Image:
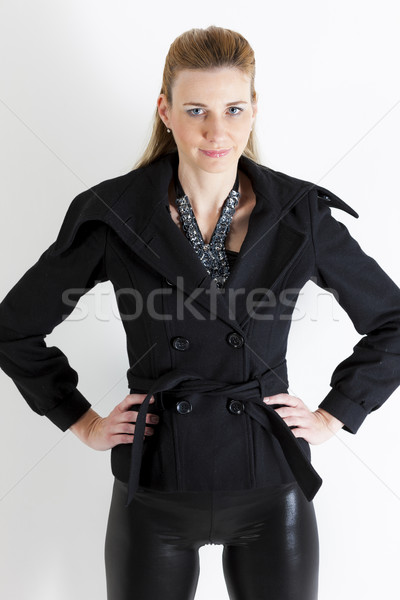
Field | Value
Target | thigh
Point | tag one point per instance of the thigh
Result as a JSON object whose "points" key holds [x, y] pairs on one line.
{"points": [[150, 553], [273, 553]]}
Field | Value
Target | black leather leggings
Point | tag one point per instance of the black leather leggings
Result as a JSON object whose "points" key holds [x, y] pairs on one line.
{"points": [[269, 537]]}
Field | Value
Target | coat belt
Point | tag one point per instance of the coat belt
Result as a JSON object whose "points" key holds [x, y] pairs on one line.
{"points": [[251, 393]]}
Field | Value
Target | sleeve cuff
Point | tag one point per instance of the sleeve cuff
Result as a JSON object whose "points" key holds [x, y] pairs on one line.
{"points": [[344, 409], [69, 410]]}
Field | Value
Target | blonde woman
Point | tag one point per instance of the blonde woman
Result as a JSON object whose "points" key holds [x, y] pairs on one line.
{"points": [[207, 250]]}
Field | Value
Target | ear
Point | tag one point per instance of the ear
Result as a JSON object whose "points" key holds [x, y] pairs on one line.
{"points": [[163, 109]]}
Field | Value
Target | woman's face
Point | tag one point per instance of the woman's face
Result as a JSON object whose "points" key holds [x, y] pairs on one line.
{"points": [[210, 118]]}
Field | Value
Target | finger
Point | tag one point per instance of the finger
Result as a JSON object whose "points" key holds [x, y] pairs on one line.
{"points": [[300, 432], [137, 399], [282, 399], [290, 411], [129, 428], [133, 399], [296, 421], [122, 439], [130, 416]]}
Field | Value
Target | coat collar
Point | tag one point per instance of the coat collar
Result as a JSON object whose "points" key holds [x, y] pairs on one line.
{"points": [[136, 206]]}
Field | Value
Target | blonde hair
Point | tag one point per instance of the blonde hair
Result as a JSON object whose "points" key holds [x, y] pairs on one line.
{"points": [[200, 49]]}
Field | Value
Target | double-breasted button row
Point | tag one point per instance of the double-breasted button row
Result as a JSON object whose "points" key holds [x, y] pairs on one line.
{"points": [[236, 407], [235, 339], [180, 343]]}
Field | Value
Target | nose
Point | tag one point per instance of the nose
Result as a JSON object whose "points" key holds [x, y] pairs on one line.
{"points": [[215, 130]]}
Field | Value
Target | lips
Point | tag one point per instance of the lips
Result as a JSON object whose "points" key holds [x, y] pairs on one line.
{"points": [[216, 153]]}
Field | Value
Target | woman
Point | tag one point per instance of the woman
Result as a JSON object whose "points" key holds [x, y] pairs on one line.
{"points": [[207, 251]]}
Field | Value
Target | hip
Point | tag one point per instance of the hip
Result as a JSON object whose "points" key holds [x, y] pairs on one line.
{"points": [[210, 447]]}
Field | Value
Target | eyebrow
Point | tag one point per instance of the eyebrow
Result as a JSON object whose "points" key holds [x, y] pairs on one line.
{"points": [[205, 105]]}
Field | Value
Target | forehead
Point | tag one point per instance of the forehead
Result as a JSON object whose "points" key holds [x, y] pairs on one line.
{"points": [[220, 81]]}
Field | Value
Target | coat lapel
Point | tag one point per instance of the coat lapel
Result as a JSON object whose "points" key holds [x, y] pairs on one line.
{"points": [[136, 206], [269, 248]]}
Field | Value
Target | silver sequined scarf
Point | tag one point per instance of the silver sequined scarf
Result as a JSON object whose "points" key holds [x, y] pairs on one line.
{"points": [[212, 255]]}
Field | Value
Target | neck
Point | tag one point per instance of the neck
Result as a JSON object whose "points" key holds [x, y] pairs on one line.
{"points": [[207, 192]]}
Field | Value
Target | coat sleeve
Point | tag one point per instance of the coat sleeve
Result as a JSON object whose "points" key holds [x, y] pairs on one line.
{"points": [[44, 296], [364, 380]]}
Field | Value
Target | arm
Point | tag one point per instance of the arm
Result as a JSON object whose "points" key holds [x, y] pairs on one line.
{"points": [[44, 296], [42, 299], [84, 425], [332, 423], [363, 381]]}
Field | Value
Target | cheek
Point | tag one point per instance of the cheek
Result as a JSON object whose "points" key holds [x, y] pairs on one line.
{"points": [[243, 129], [186, 131], [248, 122]]}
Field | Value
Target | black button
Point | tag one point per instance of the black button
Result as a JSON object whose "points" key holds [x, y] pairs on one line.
{"points": [[236, 340], [183, 407], [168, 282], [236, 407], [180, 343]]}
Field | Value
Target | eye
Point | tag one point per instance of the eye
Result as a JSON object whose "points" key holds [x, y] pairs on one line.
{"points": [[194, 112], [236, 109]]}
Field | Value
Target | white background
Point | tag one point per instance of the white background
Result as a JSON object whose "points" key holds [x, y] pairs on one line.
{"points": [[79, 81]]}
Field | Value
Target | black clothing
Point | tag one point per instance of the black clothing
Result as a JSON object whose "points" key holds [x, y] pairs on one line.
{"points": [[232, 256], [179, 327], [270, 540], [206, 465]]}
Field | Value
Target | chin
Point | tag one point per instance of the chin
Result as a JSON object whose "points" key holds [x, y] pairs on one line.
{"points": [[216, 168]]}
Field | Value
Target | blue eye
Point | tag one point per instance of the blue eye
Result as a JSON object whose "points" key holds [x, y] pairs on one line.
{"points": [[235, 108], [192, 112]]}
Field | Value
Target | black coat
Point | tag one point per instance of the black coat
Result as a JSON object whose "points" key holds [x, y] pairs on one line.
{"points": [[208, 356]]}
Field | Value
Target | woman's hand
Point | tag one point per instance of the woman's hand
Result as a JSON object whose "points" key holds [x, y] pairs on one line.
{"points": [[118, 428], [315, 427]]}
